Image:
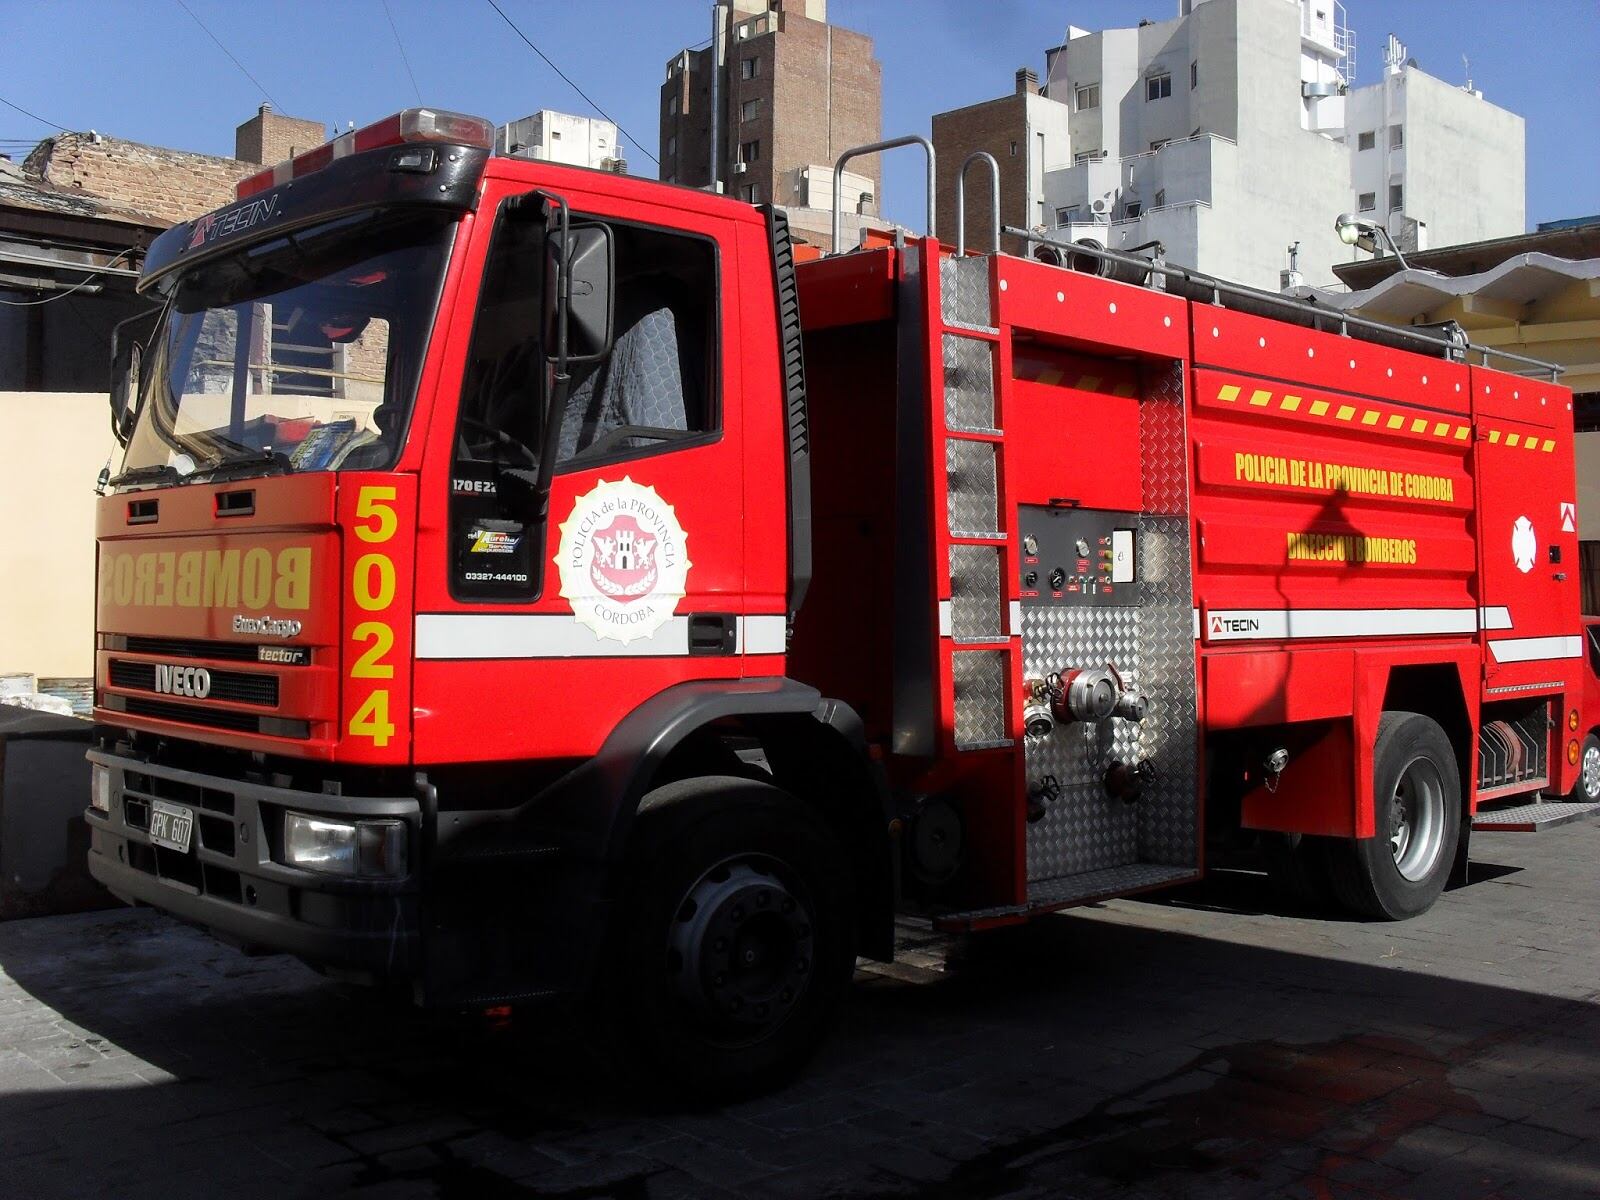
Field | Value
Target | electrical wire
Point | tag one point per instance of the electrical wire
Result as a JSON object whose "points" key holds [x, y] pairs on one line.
{"points": [[84, 282], [229, 53], [399, 45], [570, 83], [34, 115]]}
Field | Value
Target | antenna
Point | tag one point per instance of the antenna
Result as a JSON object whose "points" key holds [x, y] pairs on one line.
{"points": [[1466, 68]]}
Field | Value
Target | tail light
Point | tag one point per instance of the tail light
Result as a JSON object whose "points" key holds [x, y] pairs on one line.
{"points": [[411, 125]]}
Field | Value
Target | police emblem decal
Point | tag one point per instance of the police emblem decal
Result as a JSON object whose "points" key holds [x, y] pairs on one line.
{"points": [[623, 559]]}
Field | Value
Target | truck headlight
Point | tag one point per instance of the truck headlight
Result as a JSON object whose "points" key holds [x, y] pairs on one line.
{"points": [[100, 789], [359, 849]]}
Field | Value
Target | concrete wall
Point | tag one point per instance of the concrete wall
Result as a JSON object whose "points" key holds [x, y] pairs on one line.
{"points": [[1465, 163], [1588, 448], [52, 446]]}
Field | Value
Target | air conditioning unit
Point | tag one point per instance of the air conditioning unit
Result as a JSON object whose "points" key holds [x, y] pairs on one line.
{"points": [[740, 168], [1103, 204]]}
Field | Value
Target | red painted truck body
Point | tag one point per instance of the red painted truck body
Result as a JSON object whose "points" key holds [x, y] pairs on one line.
{"points": [[873, 587]]}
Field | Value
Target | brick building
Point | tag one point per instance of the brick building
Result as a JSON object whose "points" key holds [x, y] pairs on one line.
{"points": [[781, 94], [1019, 130]]}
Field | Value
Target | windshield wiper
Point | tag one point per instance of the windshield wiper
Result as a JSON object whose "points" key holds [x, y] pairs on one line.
{"points": [[256, 461], [145, 474]]}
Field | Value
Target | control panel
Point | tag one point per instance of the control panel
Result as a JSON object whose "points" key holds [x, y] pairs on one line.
{"points": [[1078, 556]]}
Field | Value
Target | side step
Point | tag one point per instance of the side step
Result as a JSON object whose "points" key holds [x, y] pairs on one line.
{"points": [[1531, 818]]}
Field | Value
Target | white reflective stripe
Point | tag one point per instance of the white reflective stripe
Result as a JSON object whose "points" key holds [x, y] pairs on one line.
{"points": [[1195, 612], [765, 634], [1016, 618], [1223, 625], [946, 618], [1494, 618], [1510, 650], [560, 635]]}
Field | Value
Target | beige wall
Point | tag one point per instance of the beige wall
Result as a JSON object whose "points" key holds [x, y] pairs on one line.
{"points": [[52, 446]]}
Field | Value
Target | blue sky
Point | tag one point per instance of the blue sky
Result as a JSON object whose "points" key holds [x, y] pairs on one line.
{"points": [[146, 71]]}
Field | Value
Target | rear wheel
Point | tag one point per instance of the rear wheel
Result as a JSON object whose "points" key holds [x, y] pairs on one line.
{"points": [[735, 947], [1416, 791], [1587, 789]]}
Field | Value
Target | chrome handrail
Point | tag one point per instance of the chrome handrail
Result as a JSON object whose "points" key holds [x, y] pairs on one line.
{"points": [[874, 148], [961, 200]]}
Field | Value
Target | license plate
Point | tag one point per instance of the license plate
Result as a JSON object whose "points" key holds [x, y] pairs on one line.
{"points": [[171, 825]]}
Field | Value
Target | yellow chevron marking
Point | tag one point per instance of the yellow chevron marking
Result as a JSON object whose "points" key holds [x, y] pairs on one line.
{"points": [[1318, 407], [1513, 438], [1549, 445], [1461, 433], [1396, 420], [1442, 428], [1291, 403], [1419, 426], [1531, 444], [1088, 383], [1260, 398], [1346, 411], [1494, 436], [1228, 392], [1123, 389], [1370, 417]]}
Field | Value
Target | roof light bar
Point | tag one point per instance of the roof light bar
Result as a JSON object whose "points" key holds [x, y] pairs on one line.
{"points": [[410, 125]]}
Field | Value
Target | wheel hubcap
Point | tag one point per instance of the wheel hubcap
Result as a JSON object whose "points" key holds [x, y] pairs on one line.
{"points": [[740, 947], [1417, 819], [1591, 771]]}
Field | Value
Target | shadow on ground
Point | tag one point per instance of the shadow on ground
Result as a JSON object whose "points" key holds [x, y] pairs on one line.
{"points": [[1134, 1051]]}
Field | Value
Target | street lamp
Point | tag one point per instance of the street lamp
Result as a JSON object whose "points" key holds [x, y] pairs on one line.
{"points": [[1358, 231]]}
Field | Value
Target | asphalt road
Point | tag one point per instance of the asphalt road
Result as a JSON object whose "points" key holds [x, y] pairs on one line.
{"points": [[1215, 1043]]}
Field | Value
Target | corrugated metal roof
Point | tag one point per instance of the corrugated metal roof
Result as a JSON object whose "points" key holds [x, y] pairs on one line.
{"points": [[1409, 294]]}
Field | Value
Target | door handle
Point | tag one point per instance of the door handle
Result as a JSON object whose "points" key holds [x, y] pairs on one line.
{"points": [[712, 633]]}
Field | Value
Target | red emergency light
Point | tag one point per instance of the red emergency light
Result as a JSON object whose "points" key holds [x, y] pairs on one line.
{"points": [[409, 125]]}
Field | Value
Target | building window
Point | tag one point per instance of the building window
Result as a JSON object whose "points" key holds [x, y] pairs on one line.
{"points": [[1158, 87], [1158, 143], [1397, 136], [1064, 216], [749, 68], [1194, 74], [672, 146], [1087, 96], [1396, 196], [1367, 140], [1367, 201], [1083, 156], [1134, 209], [672, 106], [1161, 198], [750, 110], [750, 193], [749, 152], [1013, 149]]}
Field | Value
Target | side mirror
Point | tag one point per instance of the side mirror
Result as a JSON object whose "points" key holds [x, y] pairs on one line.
{"points": [[127, 359], [590, 265]]}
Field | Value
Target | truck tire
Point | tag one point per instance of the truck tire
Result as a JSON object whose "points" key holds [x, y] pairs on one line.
{"points": [[1587, 789], [735, 943], [1416, 791]]}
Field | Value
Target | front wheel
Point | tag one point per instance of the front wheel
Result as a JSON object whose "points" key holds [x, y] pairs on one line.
{"points": [[1416, 791], [736, 944]]}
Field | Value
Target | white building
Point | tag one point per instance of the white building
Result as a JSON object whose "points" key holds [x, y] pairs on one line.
{"points": [[1230, 133], [563, 138]]}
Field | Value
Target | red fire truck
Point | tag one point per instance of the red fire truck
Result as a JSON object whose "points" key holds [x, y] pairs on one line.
{"points": [[532, 583]]}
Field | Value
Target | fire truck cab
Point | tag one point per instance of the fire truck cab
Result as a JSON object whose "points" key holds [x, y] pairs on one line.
{"points": [[532, 583]]}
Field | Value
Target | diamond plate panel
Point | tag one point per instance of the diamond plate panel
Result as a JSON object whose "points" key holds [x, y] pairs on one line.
{"points": [[972, 488], [968, 383], [975, 607], [964, 292], [1152, 646], [980, 697]]}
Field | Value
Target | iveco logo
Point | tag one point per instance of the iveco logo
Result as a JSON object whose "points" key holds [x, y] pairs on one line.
{"points": [[183, 681]]}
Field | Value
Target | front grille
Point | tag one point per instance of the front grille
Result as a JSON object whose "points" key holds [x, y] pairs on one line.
{"points": [[239, 687], [185, 648], [211, 718]]}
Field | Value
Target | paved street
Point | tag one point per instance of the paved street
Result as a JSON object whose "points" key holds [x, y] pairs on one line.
{"points": [[1188, 1048]]}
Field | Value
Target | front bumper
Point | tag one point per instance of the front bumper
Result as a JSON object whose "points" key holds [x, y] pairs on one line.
{"points": [[230, 882]]}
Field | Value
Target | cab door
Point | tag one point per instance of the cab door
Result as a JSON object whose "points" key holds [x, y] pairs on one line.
{"points": [[536, 632]]}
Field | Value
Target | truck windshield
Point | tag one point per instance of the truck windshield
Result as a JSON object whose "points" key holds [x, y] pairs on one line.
{"points": [[299, 354]]}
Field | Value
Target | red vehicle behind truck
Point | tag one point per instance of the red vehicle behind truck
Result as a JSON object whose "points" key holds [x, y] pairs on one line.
{"points": [[532, 583]]}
